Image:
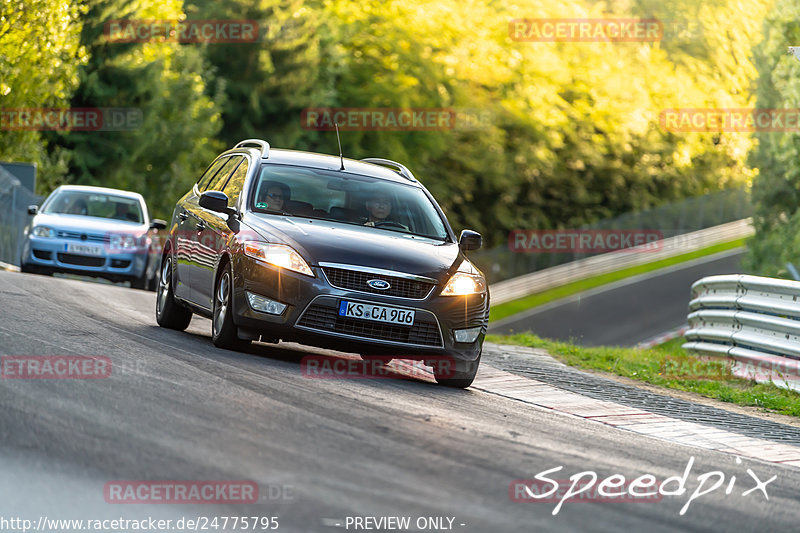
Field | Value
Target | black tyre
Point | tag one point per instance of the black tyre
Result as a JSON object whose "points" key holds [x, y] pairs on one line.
{"points": [[461, 378], [224, 333], [169, 313]]}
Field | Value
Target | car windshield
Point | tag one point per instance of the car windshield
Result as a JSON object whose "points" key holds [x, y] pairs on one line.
{"points": [[92, 204], [347, 198]]}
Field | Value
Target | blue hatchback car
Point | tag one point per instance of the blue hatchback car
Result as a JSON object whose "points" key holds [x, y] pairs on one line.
{"points": [[91, 231]]}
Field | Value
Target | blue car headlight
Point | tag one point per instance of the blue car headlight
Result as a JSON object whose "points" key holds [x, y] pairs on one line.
{"points": [[43, 231], [127, 242]]}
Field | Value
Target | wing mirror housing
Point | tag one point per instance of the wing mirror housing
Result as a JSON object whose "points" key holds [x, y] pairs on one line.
{"points": [[470, 240], [216, 201]]}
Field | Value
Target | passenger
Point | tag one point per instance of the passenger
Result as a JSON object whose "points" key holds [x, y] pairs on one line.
{"points": [[78, 207], [121, 212], [274, 196]]}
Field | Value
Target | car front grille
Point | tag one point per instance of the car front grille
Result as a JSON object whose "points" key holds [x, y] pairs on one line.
{"points": [[81, 260], [424, 331], [78, 236], [356, 280]]}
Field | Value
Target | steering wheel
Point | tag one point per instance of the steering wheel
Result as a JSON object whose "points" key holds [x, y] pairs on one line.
{"points": [[391, 223]]}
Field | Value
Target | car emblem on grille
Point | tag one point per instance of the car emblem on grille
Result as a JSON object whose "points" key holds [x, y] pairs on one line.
{"points": [[379, 284]]}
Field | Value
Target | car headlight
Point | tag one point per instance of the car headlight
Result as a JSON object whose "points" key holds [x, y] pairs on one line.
{"points": [[124, 242], [279, 255], [462, 284], [43, 231], [466, 280]]}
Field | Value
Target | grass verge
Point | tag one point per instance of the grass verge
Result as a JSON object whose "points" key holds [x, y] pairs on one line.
{"points": [[516, 306], [667, 365]]}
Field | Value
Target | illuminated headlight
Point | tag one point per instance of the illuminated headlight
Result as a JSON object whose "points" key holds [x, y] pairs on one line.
{"points": [[467, 335], [43, 231], [279, 255], [124, 242], [462, 284], [265, 305]]}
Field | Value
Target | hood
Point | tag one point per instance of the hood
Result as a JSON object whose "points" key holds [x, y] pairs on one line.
{"points": [[88, 224], [323, 241]]}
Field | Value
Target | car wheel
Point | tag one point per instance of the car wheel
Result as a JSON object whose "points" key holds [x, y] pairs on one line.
{"points": [[169, 313], [224, 333], [461, 378]]}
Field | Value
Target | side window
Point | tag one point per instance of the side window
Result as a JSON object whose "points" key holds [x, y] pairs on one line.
{"points": [[222, 176], [210, 172], [234, 186]]}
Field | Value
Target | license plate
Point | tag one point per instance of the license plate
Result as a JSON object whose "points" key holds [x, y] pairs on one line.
{"points": [[379, 313], [83, 249]]}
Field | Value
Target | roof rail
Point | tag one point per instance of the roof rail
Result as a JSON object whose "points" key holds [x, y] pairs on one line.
{"points": [[264, 145], [397, 167]]}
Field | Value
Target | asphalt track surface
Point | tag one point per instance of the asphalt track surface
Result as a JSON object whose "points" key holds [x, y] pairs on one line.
{"points": [[177, 408], [622, 314]]}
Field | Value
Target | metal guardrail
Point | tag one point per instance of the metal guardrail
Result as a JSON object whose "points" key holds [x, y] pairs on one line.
{"points": [[753, 322], [519, 287], [14, 202]]}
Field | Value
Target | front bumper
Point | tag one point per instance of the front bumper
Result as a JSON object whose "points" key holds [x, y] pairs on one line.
{"points": [[311, 316], [51, 254]]}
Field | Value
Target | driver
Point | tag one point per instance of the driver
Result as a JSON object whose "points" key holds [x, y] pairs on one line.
{"points": [[273, 196], [379, 207], [78, 207]]}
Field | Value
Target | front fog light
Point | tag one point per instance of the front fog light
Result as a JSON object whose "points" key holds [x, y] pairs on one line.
{"points": [[265, 305], [467, 335]]}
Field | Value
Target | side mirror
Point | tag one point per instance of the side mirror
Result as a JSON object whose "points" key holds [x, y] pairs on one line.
{"points": [[157, 223], [33, 209], [216, 201], [470, 240]]}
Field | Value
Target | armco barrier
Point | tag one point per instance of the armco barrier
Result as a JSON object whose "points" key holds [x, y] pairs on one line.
{"points": [[519, 287], [752, 321]]}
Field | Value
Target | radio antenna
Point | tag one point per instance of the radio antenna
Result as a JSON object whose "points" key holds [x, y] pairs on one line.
{"points": [[341, 158]]}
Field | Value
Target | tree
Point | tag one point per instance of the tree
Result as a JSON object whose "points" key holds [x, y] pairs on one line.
{"points": [[40, 53], [165, 84], [775, 189]]}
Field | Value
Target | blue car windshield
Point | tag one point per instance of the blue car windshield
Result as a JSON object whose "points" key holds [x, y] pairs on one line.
{"points": [[91, 204], [346, 198]]}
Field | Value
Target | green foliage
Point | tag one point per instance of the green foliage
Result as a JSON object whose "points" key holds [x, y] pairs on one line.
{"points": [[570, 131], [39, 55], [775, 190], [667, 365], [162, 156]]}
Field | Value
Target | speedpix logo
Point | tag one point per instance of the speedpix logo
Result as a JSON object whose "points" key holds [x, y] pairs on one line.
{"points": [[587, 486]]}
